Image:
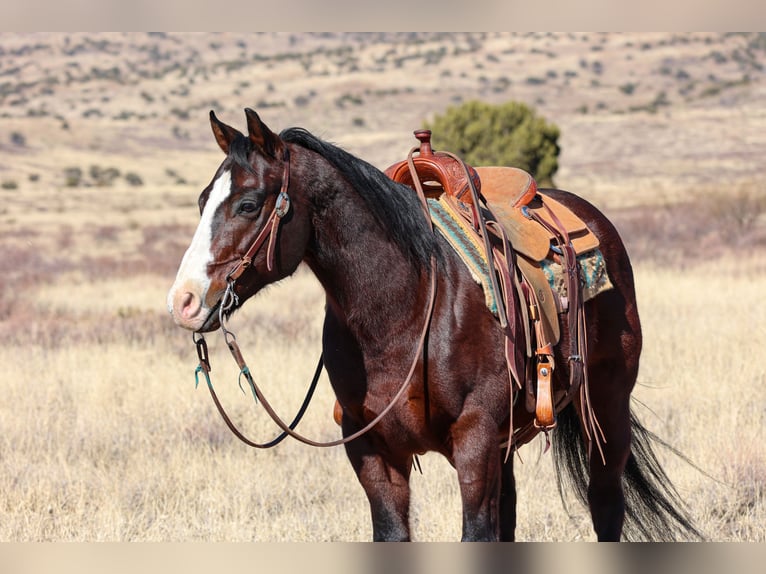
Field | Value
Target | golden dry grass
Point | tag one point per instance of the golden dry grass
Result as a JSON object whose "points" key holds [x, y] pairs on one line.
{"points": [[102, 434], [104, 437]]}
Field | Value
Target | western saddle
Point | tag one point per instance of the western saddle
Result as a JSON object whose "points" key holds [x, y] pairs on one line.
{"points": [[519, 228]]}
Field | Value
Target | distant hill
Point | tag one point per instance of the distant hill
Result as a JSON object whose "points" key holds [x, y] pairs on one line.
{"points": [[641, 114]]}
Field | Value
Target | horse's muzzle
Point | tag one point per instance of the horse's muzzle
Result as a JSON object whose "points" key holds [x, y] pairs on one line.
{"points": [[190, 311]]}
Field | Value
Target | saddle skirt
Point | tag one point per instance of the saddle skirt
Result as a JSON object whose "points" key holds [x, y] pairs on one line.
{"points": [[507, 194]]}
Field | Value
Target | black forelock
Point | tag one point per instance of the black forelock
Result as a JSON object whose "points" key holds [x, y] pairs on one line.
{"points": [[394, 205], [240, 149]]}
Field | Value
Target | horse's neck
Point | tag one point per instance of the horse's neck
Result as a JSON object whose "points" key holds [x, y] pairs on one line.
{"points": [[369, 283]]}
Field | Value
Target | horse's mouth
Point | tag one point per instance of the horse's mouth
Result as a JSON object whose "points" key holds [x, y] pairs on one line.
{"points": [[213, 321]]}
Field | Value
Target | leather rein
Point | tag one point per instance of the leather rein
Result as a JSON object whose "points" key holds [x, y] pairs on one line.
{"points": [[229, 301]]}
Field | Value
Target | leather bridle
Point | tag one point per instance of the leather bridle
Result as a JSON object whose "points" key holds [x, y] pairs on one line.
{"points": [[230, 300], [269, 230]]}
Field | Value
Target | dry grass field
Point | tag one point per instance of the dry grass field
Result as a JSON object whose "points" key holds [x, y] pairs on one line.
{"points": [[104, 146]]}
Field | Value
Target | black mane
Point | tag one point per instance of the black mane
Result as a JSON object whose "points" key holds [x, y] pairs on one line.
{"points": [[394, 205]]}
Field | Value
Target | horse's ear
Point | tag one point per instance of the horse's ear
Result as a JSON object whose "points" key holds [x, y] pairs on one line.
{"points": [[261, 136], [224, 134]]}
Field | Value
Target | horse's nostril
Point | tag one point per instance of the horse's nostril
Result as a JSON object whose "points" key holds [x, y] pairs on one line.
{"points": [[188, 305]]}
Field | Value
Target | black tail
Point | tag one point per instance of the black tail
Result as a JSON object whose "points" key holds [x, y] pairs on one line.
{"points": [[654, 510]]}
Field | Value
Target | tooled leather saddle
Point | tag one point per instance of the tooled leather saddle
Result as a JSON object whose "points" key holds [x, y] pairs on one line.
{"points": [[520, 228]]}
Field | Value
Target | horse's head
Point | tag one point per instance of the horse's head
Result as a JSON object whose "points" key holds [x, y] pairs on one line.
{"points": [[244, 237]]}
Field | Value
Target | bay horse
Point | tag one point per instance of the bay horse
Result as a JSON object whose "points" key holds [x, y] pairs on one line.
{"points": [[290, 198]]}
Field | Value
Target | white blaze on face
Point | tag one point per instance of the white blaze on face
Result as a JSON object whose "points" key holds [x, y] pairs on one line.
{"points": [[186, 298]]}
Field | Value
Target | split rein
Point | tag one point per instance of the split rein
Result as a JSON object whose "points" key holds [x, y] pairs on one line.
{"points": [[230, 300]]}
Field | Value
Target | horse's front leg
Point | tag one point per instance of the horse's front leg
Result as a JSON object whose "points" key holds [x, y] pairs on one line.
{"points": [[386, 483], [477, 459]]}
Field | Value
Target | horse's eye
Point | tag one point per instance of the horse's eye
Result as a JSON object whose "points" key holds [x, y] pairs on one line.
{"points": [[248, 207]]}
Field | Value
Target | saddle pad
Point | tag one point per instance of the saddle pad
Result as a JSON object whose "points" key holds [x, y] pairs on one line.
{"points": [[593, 275], [503, 187], [454, 229]]}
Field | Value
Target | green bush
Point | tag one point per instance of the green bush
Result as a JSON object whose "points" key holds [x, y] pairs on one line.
{"points": [[628, 88], [72, 176], [18, 139], [509, 134], [134, 179], [103, 177]]}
